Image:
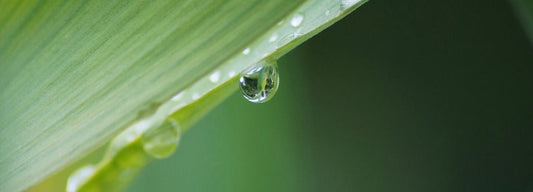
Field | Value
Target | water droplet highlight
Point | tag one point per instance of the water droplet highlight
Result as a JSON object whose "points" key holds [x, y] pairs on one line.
{"points": [[76, 179], [297, 20], [215, 77], [162, 141], [231, 74], [273, 38], [260, 82], [195, 96], [246, 51]]}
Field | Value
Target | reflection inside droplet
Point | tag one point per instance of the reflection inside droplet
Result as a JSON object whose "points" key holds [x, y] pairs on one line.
{"points": [[260, 82]]}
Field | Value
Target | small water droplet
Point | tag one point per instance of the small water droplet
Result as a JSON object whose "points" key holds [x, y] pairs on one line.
{"points": [[260, 82], [76, 179], [195, 96], [297, 20], [327, 12], [162, 141], [246, 51], [273, 38], [231, 74], [345, 4], [215, 77]]}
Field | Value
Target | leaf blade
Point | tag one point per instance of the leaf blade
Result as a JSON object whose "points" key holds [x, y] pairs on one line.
{"points": [[79, 84]]}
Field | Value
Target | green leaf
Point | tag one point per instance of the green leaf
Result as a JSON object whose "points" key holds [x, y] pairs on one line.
{"points": [[73, 74]]}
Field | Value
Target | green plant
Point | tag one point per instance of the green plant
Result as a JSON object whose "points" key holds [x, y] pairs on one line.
{"points": [[75, 74]]}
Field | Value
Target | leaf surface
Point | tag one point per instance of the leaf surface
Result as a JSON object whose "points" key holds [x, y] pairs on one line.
{"points": [[73, 74]]}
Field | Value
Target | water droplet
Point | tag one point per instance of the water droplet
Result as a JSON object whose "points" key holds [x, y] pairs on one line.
{"points": [[327, 12], [345, 4], [215, 77], [76, 179], [260, 82], [195, 96], [162, 141], [297, 20], [246, 51], [231, 74], [273, 38]]}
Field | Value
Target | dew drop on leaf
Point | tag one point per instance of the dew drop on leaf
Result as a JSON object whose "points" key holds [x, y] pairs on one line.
{"points": [[297, 20], [162, 141], [260, 82]]}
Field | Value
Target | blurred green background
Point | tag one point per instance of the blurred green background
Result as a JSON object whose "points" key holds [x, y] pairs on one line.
{"points": [[398, 96]]}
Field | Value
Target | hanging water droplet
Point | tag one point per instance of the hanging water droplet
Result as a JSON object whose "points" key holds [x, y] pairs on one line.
{"points": [[76, 179], [162, 141], [260, 82]]}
